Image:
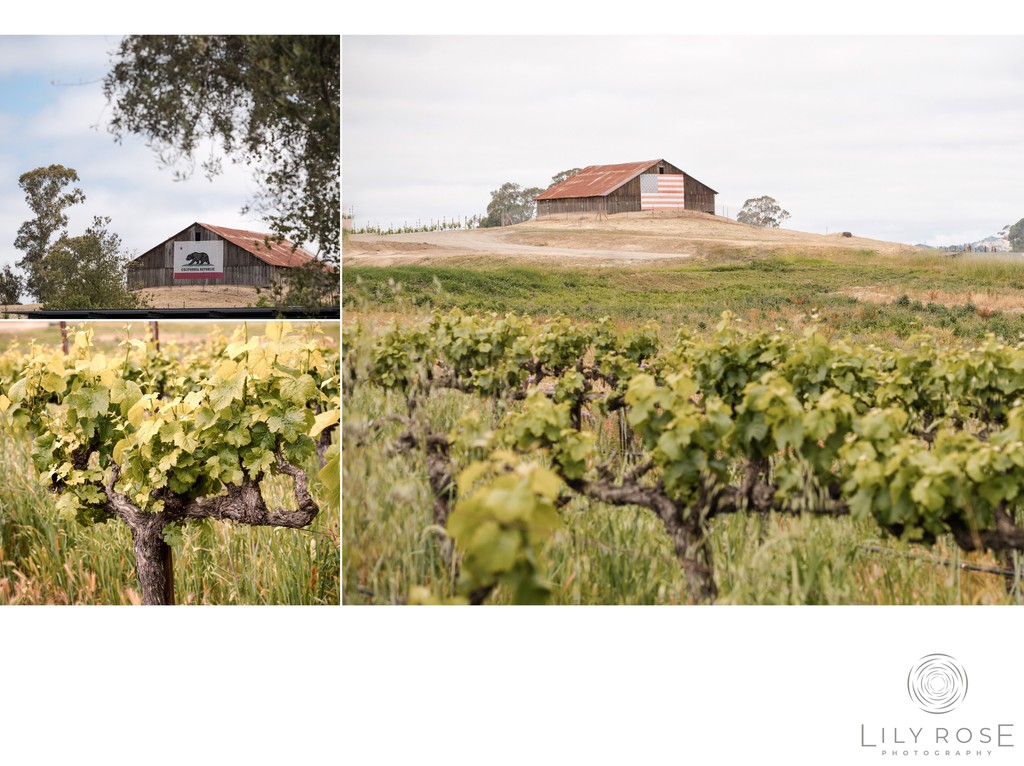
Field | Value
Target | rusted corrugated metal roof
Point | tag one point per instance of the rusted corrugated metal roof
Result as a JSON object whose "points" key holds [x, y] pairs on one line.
{"points": [[597, 180], [263, 246]]}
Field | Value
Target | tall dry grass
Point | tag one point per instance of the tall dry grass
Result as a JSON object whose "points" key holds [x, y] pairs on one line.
{"points": [[45, 559]]}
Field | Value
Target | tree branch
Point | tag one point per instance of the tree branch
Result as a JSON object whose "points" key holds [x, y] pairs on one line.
{"points": [[1006, 536], [244, 503]]}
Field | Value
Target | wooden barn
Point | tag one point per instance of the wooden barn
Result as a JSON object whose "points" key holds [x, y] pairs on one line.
{"points": [[203, 254], [627, 188]]}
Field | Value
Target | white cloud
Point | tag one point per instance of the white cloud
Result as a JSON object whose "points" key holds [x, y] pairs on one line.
{"points": [[73, 113], [57, 56]]}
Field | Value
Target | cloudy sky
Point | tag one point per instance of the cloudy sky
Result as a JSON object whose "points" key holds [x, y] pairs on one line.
{"points": [[52, 111], [909, 139]]}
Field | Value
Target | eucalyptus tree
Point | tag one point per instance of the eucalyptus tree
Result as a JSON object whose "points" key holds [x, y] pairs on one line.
{"points": [[47, 196], [762, 211]]}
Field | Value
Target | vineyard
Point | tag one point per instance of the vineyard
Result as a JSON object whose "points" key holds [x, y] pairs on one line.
{"points": [[456, 223], [505, 459], [137, 472]]}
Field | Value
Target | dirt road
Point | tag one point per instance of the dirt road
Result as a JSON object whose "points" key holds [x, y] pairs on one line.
{"points": [[395, 249], [617, 240]]}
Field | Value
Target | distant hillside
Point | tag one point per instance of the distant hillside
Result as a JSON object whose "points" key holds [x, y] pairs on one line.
{"points": [[622, 238]]}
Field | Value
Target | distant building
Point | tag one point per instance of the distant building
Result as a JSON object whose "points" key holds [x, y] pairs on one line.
{"points": [[627, 188], [203, 254]]}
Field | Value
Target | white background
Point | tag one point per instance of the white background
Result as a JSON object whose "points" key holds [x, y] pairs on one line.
{"points": [[630, 685]]}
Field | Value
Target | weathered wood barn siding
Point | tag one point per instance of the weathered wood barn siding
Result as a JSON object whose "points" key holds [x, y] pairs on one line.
{"points": [[698, 196], [155, 267], [626, 197]]}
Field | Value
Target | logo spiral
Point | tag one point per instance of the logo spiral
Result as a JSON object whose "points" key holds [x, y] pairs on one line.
{"points": [[937, 683]]}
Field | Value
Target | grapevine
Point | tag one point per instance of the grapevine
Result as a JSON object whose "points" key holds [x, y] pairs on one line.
{"points": [[926, 443], [157, 440]]}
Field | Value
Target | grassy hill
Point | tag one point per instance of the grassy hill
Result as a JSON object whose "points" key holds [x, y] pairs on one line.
{"points": [[685, 270]]}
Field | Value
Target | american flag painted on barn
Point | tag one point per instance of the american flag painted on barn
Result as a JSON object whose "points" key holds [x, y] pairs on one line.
{"points": [[660, 191]]}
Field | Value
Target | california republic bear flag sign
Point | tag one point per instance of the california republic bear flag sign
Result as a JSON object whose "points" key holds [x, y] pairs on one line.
{"points": [[199, 260]]}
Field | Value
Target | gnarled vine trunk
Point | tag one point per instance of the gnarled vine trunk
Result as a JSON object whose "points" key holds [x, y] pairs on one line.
{"points": [[153, 561], [242, 503]]}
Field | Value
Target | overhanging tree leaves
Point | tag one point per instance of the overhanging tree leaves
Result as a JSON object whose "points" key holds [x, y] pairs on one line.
{"points": [[46, 196], [762, 211], [272, 102], [312, 285]]}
